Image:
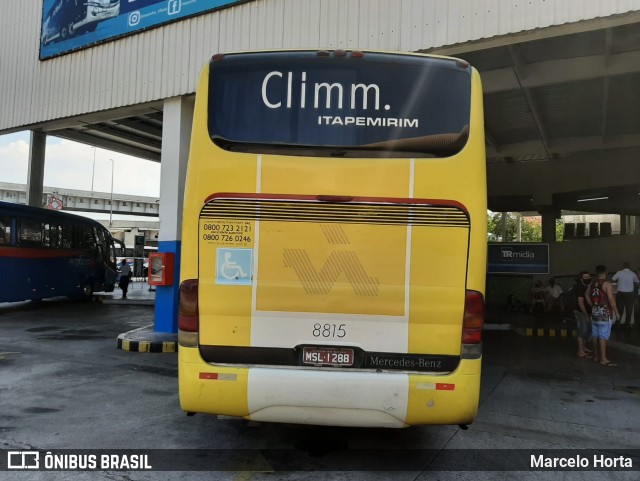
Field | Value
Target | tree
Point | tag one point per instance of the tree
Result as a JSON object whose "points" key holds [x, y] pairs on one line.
{"points": [[530, 228], [559, 230]]}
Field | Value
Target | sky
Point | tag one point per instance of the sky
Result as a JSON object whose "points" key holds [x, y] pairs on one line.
{"points": [[70, 164]]}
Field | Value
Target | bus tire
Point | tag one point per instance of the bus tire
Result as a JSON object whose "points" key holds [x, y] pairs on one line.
{"points": [[87, 292]]}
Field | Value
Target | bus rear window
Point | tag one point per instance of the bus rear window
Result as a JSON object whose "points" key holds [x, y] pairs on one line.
{"points": [[301, 103]]}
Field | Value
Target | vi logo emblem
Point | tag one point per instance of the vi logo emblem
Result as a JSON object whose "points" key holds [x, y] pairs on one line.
{"points": [[340, 261]]}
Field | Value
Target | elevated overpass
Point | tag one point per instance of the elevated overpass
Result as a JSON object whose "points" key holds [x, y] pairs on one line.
{"points": [[85, 200]]}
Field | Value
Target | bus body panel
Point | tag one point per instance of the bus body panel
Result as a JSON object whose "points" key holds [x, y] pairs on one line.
{"points": [[231, 316], [46, 253], [276, 306], [42, 273], [332, 283], [339, 398]]}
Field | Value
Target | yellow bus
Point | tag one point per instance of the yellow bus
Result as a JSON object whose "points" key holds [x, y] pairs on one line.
{"points": [[334, 240]]}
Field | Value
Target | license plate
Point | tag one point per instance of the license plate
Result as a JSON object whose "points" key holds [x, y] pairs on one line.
{"points": [[327, 356]]}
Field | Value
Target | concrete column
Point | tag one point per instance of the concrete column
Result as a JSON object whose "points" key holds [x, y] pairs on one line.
{"points": [[503, 226], [176, 134], [549, 217], [35, 176], [624, 219]]}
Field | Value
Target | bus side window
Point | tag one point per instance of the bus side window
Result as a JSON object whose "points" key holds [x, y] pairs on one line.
{"points": [[45, 234], [5, 230], [101, 239], [50, 235], [67, 236], [99, 244], [85, 237], [30, 233], [54, 236]]}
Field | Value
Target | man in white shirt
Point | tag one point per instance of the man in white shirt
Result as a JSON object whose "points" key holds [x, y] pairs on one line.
{"points": [[125, 277], [627, 286], [554, 296]]}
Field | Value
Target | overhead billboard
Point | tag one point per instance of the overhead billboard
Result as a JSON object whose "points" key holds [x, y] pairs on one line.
{"points": [[69, 25], [518, 258]]}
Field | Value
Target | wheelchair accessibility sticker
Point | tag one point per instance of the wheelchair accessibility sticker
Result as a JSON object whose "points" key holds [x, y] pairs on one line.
{"points": [[234, 266]]}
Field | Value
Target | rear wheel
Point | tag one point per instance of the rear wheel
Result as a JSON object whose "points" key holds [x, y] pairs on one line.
{"points": [[87, 292]]}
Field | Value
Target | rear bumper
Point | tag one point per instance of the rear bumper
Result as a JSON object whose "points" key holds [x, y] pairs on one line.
{"points": [[329, 397]]}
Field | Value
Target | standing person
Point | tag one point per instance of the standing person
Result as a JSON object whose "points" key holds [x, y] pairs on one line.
{"points": [[627, 286], [554, 296], [538, 304], [604, 311], [125, 277], [583, 318]]}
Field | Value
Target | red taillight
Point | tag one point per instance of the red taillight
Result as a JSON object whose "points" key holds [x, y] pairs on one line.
{"points": [[357, 54], [473, 318], [188, 315], [471, 336], [217, 57]]}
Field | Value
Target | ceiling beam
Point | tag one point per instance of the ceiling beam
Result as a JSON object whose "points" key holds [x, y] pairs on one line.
{"points": [[490, 140], [148, 109], [138, 126], [605, 108], [86, 138], [133, 138], [608, 41], [521, 74], [552, 31], [565, 146], [557, 71], [565, 175]]}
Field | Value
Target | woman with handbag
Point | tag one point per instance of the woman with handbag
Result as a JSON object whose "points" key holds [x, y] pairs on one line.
{"points": [[604, 313]]}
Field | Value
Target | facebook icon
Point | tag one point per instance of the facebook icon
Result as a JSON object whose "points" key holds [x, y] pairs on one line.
{"points": [[174, 6]]}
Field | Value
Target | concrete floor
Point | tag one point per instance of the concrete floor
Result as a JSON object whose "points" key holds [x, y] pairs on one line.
{"points": [[64, 385]]}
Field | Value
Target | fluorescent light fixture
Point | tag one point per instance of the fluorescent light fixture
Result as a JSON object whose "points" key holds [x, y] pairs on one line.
{"points": [[590, 199]]}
